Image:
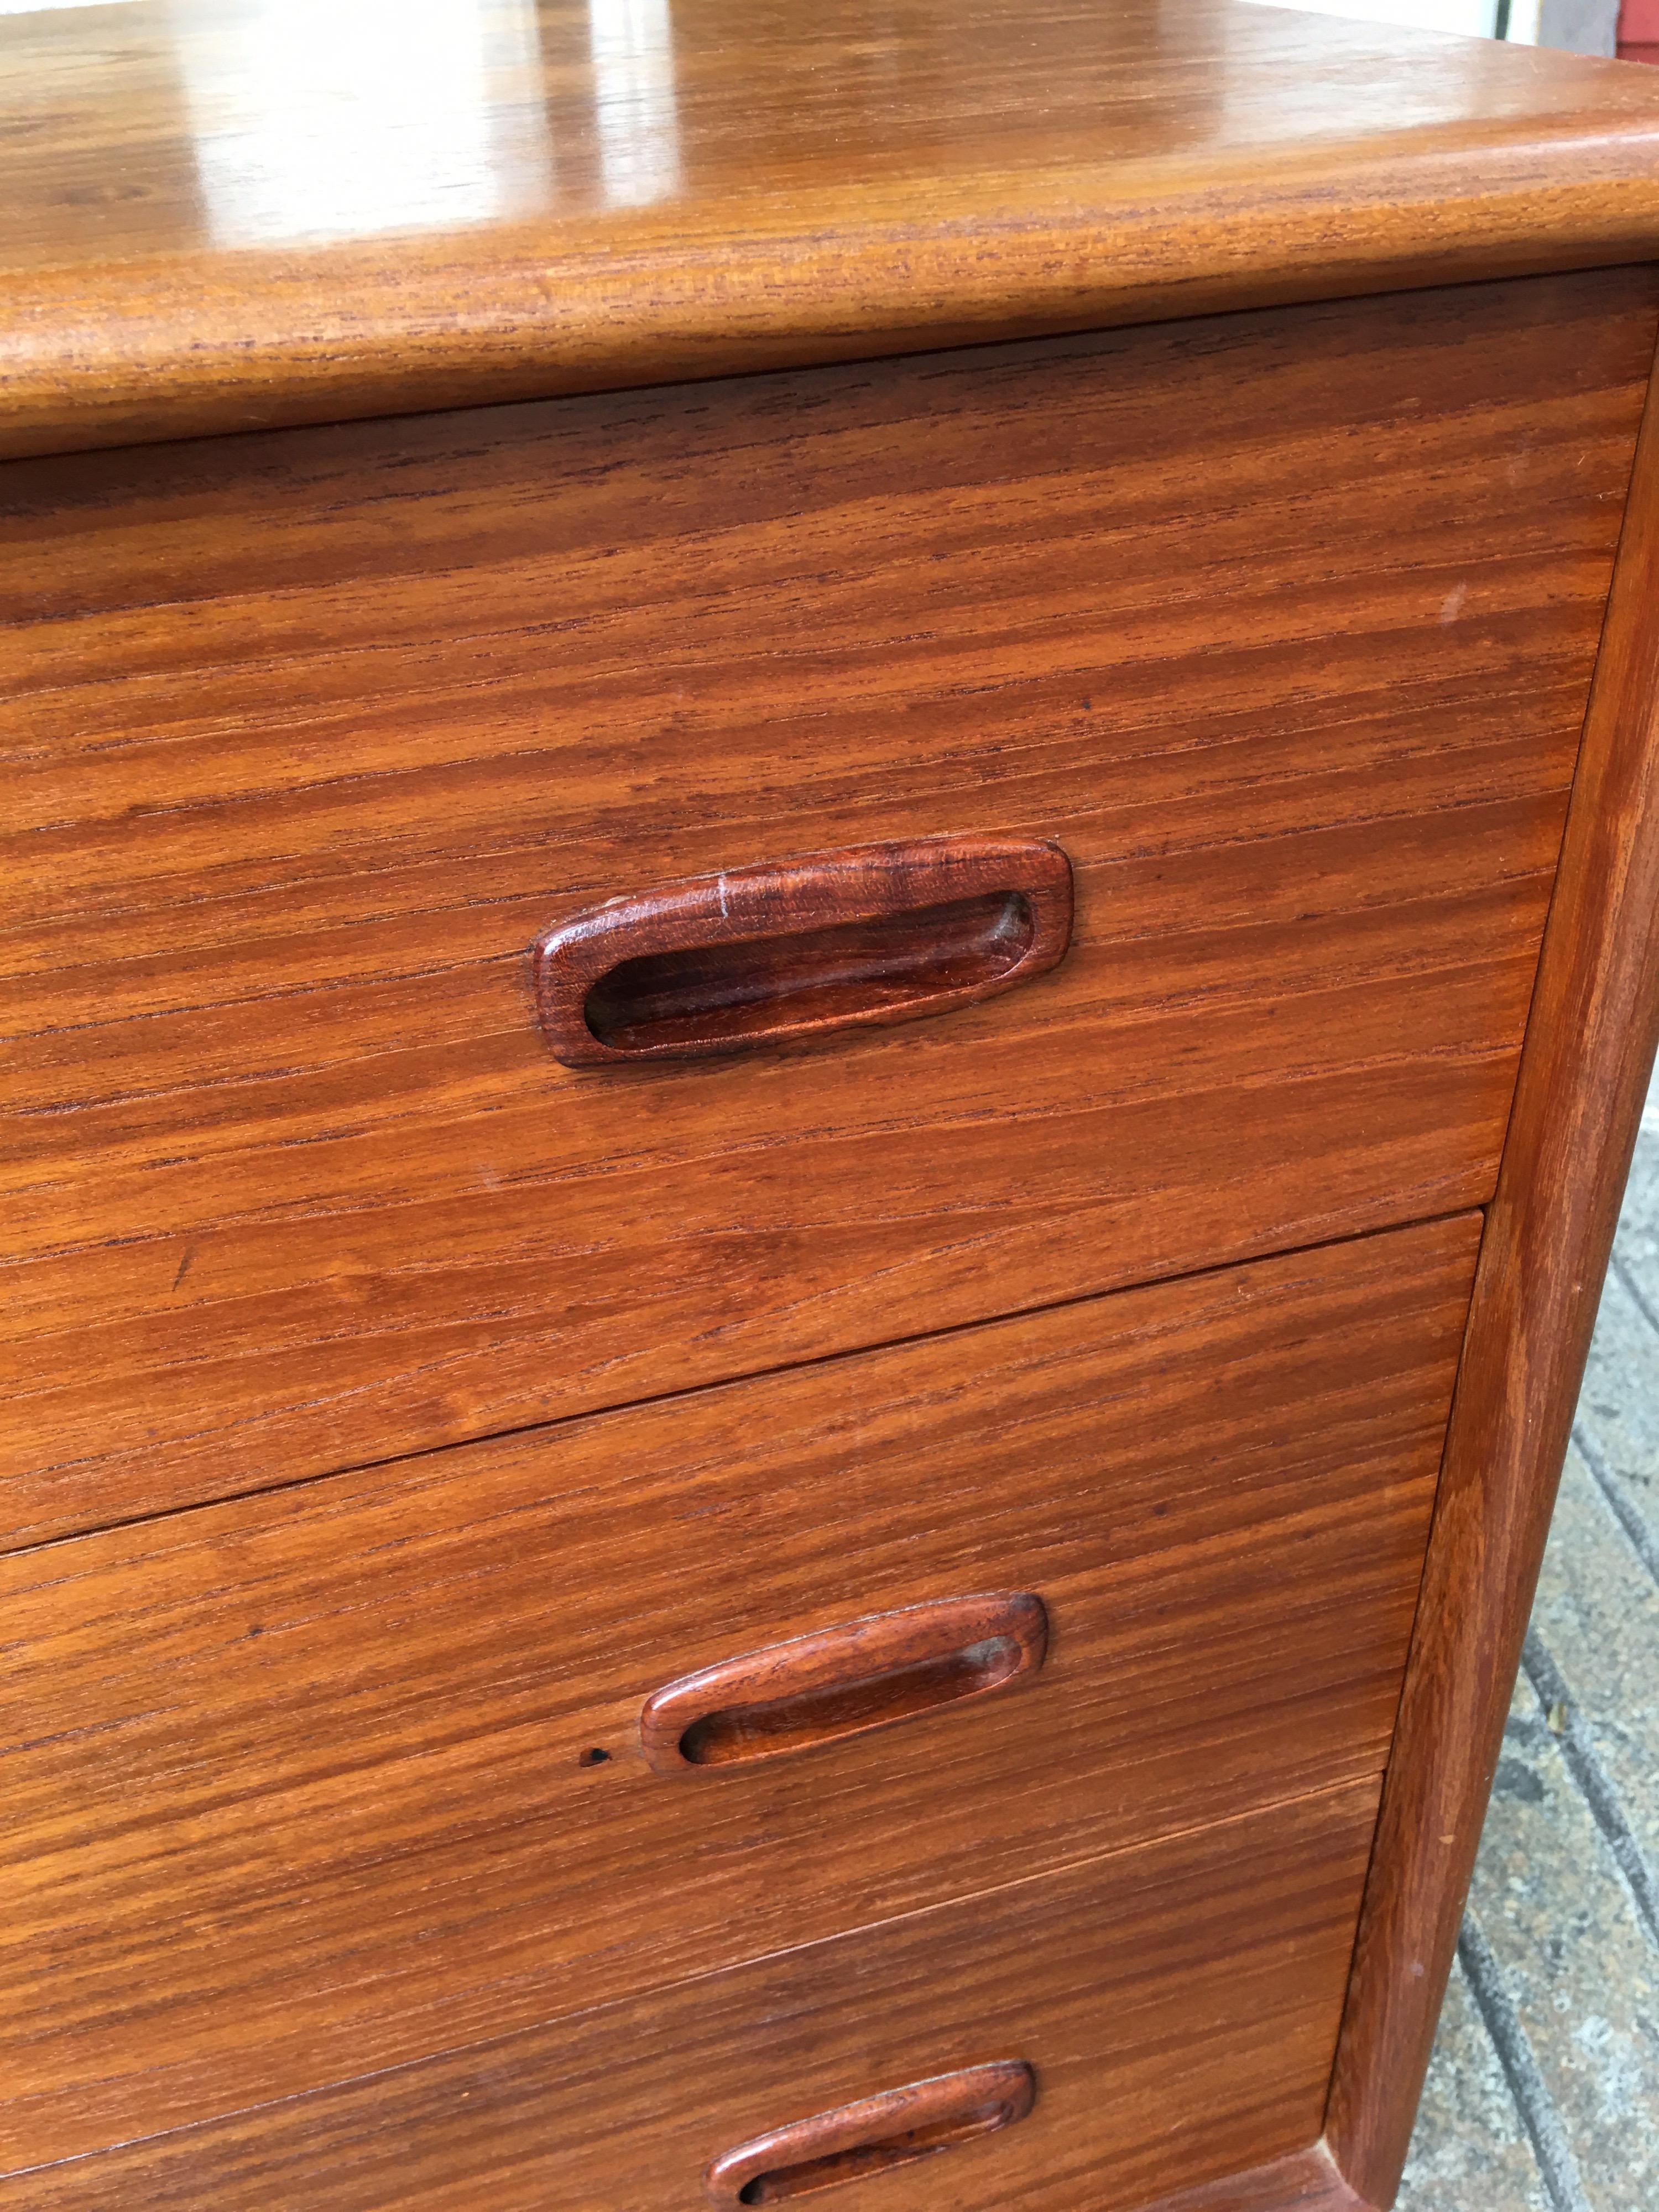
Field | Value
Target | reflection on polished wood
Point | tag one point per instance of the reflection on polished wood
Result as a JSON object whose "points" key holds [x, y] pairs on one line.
{"points": [[263, 211]]}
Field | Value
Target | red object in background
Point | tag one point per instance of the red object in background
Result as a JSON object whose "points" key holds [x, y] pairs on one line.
{"points": [[1639, 31]]}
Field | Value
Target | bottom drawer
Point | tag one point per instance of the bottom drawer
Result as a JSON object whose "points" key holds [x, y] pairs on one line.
{"points": [[1177, 2004]]}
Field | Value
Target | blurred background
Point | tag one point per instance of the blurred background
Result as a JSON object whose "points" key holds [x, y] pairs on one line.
{"points": [[1629, 28]]}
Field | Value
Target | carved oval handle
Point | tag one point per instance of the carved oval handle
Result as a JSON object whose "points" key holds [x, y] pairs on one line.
{"points": [[864, 1675], [832, 940], [892, 2130]]}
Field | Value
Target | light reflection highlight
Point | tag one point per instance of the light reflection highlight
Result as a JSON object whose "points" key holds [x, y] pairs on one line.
{"points": [[339, 119], [635, 113]]}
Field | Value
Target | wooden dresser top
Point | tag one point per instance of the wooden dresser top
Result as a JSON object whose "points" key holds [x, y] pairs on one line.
{"points": [[221, 215]]}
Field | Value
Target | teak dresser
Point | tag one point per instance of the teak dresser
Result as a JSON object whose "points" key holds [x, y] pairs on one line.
{"points": [[833, 891]]}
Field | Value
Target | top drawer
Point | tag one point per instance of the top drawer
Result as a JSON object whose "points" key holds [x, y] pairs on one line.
{"points": [[1281, 624]]}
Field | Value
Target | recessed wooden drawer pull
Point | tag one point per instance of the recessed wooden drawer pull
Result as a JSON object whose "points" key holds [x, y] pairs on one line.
{"points": [[877, 2132], [843, 1680], [867, 933]]}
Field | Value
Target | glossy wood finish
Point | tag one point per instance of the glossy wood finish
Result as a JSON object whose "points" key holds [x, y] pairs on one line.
{"points": [[860, 1675], [337, 1803], [1584, 1075], [1178, 2004], [798, 948], [226, 213], [896, 2128], [309, 736], [307, 1785]]}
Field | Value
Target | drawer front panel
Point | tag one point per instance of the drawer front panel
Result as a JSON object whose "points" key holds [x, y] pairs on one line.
{"points": [[1178, 2004], [353, 1774], [1281, 624]]}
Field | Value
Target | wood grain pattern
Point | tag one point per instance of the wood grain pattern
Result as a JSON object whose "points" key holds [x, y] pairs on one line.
{"points": [[795, 949], [860, 1675], [1585, 1071], [305, 1784], [220, 217], [1282, 625], [1307, 2181], [1178, 2004], [920, 2120]]}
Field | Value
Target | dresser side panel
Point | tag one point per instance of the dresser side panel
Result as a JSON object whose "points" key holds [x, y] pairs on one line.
{"points": [[1585, 1076]]}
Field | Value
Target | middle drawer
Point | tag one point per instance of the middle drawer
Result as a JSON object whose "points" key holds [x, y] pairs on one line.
{"points": [[311, 1783]]}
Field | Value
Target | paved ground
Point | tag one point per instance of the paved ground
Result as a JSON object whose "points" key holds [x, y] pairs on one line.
{"points": [[1544, 2093]]}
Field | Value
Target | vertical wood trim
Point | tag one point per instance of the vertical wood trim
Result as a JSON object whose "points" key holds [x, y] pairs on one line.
{"points": [[1584, 1070]]}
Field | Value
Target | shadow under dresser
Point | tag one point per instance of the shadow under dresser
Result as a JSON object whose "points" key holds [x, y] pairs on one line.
{"points": [[831, 907]]}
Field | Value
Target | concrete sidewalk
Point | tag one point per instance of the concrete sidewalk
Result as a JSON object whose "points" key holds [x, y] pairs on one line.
{"points": [[1544, 2092]]}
